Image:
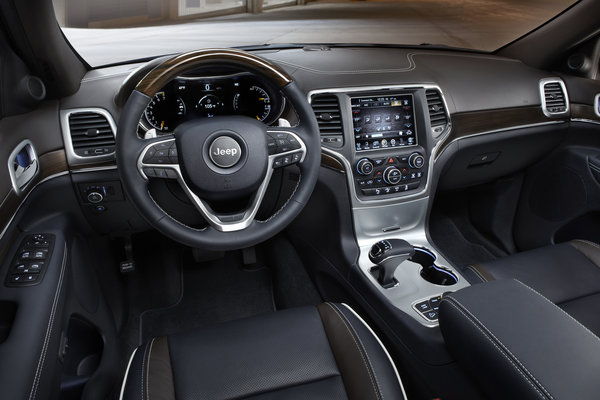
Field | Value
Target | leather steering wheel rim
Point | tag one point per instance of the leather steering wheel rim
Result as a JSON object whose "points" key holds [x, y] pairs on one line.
{"points": [[130, 149]]}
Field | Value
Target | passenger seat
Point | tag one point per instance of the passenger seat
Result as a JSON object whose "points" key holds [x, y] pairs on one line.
{"points": [[568, 274]]}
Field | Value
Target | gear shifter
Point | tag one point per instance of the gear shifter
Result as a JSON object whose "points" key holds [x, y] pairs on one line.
{"points": [[388, 255]]}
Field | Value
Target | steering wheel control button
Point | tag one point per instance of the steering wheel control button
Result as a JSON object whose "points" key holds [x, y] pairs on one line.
{"points": [[225, 152], [149, 172]]}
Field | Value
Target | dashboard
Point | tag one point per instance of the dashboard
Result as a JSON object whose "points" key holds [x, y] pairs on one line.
{"points": [[205, 96]]}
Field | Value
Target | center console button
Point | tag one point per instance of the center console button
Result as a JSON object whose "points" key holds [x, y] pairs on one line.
{"points": [[392, 175], [416, 160], [364, 166], [423, 306]]}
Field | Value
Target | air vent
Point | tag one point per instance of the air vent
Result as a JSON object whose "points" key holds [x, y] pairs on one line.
{"points": [[327, 111], [437, 112], [554, 97], [91, 133]]}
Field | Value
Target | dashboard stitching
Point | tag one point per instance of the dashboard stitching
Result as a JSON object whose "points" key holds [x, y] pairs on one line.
{"points": [[410, 56]]}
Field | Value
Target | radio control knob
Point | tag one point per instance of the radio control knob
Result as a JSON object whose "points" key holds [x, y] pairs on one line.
{"points": [[364, 166], [416, 160], [392, 175]]}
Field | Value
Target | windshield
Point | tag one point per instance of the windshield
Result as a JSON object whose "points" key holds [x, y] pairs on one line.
{"points": [[113, 31]]}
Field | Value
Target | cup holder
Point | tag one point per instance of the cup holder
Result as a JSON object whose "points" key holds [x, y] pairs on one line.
{"points": [[430, 272]]}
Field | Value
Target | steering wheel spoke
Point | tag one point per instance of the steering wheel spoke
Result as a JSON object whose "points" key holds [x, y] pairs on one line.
{"points": [[230, 222]]}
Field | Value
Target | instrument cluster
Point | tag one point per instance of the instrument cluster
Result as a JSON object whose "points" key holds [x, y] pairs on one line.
{"points": [[190, 97]]}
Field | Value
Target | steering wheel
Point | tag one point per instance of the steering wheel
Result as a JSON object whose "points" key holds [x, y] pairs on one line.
{"points": [[218, 159]]}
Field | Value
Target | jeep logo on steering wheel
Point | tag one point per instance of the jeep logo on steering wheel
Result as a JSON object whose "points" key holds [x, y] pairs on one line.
{"points": [[225, 152]]}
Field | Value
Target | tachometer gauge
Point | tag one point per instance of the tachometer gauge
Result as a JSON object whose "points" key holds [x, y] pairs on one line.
{"points": [[163, 112], [254, 102]]}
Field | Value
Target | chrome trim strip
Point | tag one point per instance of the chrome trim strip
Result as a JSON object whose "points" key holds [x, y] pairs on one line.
{"points": [[73, 158], [211, 217], [597, 104], [585, 121], [544, 82], [34, 163], [93, 169]]}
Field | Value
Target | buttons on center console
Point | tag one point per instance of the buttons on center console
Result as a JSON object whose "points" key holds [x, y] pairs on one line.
{"points": [[389, 175]]}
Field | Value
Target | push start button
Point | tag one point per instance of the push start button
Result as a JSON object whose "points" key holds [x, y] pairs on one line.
{"points": [[225, 152]]}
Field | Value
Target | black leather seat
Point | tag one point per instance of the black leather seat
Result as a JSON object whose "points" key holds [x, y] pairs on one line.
{"points": [[568, 274], [323, 352]]}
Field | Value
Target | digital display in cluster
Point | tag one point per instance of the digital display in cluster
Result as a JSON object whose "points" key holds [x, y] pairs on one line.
{"points": [[382, 122]]}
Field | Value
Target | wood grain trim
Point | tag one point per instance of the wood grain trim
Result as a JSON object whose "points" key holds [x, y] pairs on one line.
{"points": [[584, 111], [471, 123], [165, 72], [331, 162], [51, 163]]}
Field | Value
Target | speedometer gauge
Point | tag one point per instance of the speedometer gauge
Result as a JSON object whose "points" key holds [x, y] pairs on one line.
{"points": [[163, 112], [254, 102]]}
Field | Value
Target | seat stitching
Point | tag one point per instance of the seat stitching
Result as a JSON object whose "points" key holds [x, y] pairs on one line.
{"points": [[563, 311], [363, 347], [362, 353], [148, 370], [490, 333], [486, 335], [144, 369]]}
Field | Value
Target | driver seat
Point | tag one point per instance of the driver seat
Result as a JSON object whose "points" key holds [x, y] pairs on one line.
{"points": [[322, 352]]}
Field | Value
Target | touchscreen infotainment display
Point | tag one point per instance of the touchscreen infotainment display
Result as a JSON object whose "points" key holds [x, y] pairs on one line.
{"points": [[381, 122]]}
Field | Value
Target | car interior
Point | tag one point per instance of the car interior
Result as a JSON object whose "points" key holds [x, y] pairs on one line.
{"points": [[293, 221]]}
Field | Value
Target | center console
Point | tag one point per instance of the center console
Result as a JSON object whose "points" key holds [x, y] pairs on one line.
{"points": [[388, 159], [386, 142]]}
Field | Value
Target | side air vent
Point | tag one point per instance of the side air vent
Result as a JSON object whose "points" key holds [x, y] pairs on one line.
{"points": [[555, 101], [88, 133], [327, 111], [438, 115]]}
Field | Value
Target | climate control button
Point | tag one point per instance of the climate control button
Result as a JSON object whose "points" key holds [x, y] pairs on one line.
{"points": [[392, 175], [364, 166], [416, 160]]}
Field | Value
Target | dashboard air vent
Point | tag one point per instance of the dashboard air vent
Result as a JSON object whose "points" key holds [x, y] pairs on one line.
{"points": [[437, 112], [91, 134], [327, 111], [554, 97]]}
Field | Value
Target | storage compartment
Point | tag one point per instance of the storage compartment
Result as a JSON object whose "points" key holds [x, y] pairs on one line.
{"points": [[8, 309], [81, 348]]}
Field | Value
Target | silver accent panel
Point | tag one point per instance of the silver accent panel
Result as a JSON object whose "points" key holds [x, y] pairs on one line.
{"points": [[22, 177], [397, 218], [205, 210], [544, 82], [73, 158], [597, 104]]}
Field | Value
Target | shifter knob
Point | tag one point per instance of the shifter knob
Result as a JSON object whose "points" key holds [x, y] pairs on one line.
{"points": [[388, 255]]}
